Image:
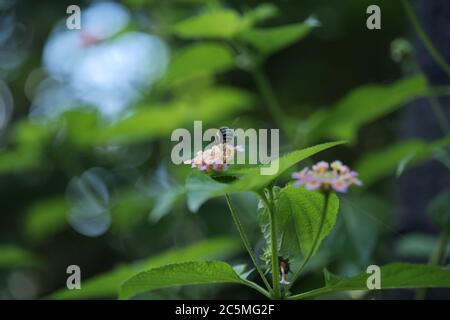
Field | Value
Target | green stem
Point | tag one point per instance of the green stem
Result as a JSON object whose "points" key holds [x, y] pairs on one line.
{"points": [[244, 238], [439, 114], [274, 248], [269, 96], [257, 288], [424, 38], [441, 248], [316, 239], [441, 91], [435, 259]]}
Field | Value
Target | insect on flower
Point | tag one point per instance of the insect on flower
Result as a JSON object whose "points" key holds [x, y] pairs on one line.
{"points": [[218, 156], [226, 136], [324, 176]]}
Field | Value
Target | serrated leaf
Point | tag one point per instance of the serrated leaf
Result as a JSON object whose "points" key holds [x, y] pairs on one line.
{"points": [[393, 276], [201, 187], [269, 40], [107, 284], [188, 273], [302, 209]]}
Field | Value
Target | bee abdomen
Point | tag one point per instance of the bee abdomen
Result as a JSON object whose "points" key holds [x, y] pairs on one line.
{"points": [[226, 135]]}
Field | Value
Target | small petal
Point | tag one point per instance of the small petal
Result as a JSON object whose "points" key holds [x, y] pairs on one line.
{"points": [[321, 166], [339, 186], [312, 185], [336, 165]]}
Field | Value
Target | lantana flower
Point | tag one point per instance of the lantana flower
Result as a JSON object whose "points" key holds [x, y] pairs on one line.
{"points": [[215, 158], [324, 176]]}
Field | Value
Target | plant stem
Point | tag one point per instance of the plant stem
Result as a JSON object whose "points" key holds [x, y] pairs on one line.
{"points": [[435, 259], [274, 247], [257, 288], [439, 252], [316, 239], [424, 38], [244, 238], [268, 94], [439, 114]]}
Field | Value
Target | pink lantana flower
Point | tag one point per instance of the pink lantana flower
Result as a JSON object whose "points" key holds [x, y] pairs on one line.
{"points": [[215, 158], [325, 176]]}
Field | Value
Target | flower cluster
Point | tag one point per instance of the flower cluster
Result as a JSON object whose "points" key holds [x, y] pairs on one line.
{"points": [[325, 176], [215, 158]]}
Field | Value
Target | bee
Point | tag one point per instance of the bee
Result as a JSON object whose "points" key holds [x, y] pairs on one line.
{"points": [[226, 136]]}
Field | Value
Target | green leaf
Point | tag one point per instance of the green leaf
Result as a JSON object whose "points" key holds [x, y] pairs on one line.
{"points": [[439, 209], [107, 284], [81, 126], [146, 3], [46, 218], [301, 209], [364, 105], [361, 217], [400, 275], [19, 159], [199, 60], [12, 257], [201, 187], [393, 276], [376, 165], [269, 40], [381, 163], [213, 24], [165, 203], [417, 246], [159, 121], [403, 164], [188, 273], [30, 134], [260, 13], [130, 209]]}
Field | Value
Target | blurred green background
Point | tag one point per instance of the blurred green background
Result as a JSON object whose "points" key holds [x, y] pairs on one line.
{"points": [[86, 116]]}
